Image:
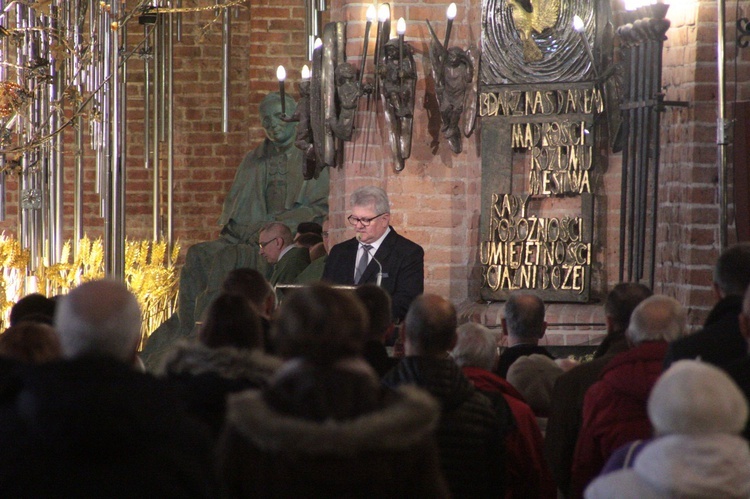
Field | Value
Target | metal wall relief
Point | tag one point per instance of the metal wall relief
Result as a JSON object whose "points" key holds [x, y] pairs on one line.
{"points": [[541, 101]]}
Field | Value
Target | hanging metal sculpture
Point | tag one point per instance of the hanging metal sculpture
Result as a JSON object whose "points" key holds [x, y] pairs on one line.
{"points": [[398, 79], [454, 71]]}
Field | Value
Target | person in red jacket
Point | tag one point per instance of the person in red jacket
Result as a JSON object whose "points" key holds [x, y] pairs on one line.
{"points": [[614, 408], [528, 475]]}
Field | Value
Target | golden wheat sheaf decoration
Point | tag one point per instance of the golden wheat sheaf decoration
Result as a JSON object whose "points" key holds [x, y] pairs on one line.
{"points": [[150, 274]]}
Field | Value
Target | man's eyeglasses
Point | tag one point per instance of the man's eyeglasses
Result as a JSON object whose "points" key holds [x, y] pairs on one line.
{"points": [[263, 244], [364, 221]]}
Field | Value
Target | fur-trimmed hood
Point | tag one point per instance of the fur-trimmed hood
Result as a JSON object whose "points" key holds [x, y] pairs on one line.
{"points": [[232, 363], [410, 418]]}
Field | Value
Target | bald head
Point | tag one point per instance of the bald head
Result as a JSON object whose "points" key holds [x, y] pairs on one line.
{"points": [[657, 318], [100, 319], [430, 326]]}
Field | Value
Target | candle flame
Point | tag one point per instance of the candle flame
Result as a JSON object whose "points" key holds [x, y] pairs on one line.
{"points": [[281, 73], [305, 72], [370, 13], [577, 23], [401, 26], [318, 43], [384, 12], [451, 12]]}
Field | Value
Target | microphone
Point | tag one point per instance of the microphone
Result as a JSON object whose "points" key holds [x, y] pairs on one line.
{"points": [[380, 267]]}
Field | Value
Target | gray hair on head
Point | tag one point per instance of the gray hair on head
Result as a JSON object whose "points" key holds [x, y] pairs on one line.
{"points": [[371, 195], [476, 346], [524, 316], [657, 318], [99, 319]]}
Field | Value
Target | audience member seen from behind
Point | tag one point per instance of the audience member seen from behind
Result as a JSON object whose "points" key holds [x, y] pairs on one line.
{"points": [[720, 342], [476, 353], [318, 256], [227, 358], [697, 413], [470, 435], [90, 425], [524, 325], [31, 343], [34, 307], [614, 408], [324, 427], [250, 284], [377, 302], [566, 412]]}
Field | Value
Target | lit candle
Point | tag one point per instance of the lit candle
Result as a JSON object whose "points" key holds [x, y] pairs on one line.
{"points": [[281, 75], [578, 24], [384, 13], [450, 13], [305, 72], [579, 27], [318, 43], [400, 29], [370, 19]]}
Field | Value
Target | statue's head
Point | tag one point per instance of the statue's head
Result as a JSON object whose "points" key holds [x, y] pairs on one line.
{"points": [[345, 73], [277, 130]]}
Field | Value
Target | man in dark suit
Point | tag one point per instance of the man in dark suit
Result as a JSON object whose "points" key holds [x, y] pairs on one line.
{"points": [[720, 342], [377, 254]]}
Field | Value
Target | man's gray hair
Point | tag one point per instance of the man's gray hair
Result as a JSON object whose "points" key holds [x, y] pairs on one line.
{"points": [[657, 318], [371, 195], [99, 319], [732, 270], [476, 346], [524, 316], [278, 229]]}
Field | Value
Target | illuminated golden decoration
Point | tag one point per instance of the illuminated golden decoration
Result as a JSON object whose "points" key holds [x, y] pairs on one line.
{"points": [[12, 96], [149, 273], [14, 261], [541, 15]]}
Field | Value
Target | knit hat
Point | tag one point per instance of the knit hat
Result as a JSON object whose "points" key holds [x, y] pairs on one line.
{"points": [[534, 376], [695, 398]]}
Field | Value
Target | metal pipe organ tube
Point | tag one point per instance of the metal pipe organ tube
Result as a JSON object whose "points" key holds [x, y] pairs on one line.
{"points": [[57, 173], [3, 77], [163, 78], [226, 40], [170, 129], [157, 118], [116, 249], [79, 81], [722, 125], [147, 32]]}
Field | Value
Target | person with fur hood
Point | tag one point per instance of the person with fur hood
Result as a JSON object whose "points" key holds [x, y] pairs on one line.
{"points": [[227, 358], [325, 427], [698, 413]]}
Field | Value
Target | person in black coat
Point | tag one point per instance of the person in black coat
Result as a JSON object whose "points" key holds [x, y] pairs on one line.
{"points": [[470, 434], [325, 427], [720, 342], [90, 425], [378, 306], [387, 258], [228, 357]]}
